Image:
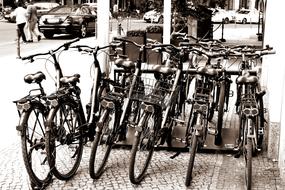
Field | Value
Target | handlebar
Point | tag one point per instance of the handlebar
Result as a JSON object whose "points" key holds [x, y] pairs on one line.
{"points": [[129, 41], [65, 45]]}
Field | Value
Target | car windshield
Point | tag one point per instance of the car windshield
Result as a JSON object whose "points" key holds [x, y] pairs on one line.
{"points": [[64, 10], [43, 6], [243, 12]]}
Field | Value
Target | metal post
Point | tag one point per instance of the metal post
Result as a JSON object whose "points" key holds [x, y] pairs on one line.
{"points": [[223, 26], [18, 44], [166, 22]]}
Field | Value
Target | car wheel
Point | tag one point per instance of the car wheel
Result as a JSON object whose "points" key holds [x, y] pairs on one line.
{"points": [[48, 35], [226, 20], [160, 20], [83, 31], [244, 21]]}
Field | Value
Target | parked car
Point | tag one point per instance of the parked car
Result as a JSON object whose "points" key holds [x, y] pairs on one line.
{"points": [[247, 16], [7, 14], [153, 16], [219, 14], [77, 20], [44, 7]]}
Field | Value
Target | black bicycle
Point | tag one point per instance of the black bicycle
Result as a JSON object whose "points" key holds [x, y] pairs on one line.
{"points": [[118, 109], [68, 128], [33, 110], [250, 108]]}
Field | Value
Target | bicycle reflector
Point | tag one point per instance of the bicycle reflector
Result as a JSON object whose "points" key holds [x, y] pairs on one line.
{"points": [[23, 106], [250, 111], [200, 107]]}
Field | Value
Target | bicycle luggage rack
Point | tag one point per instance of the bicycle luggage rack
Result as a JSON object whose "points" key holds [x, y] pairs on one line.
{"points": [[229, 131]]}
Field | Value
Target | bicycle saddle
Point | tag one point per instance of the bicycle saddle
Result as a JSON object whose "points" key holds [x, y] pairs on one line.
{"points": [[247, 79], [70, 79], [163, 69], [125, 63], [206, 71], [34, 78]]}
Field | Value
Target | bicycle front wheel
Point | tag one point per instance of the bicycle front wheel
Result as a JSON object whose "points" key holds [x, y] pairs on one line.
{"points": [[33, 146], [193, 147], [218, 136], [102, 145], [64, 142], [143, 146]]}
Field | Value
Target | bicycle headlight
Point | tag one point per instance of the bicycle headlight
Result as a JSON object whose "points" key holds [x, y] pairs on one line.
{"points": [[108, 104], [53, 102]]}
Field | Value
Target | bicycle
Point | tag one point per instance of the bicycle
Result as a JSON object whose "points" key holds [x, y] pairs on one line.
{"points": [[33, 110], [250, 108], [200, 109], [158, 104], [117, 106]]}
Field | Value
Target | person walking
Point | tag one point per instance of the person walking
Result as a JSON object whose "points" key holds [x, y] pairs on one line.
{"points": [[20, 14], [32, 20]]}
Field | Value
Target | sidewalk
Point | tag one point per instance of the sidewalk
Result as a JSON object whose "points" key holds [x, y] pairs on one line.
{"points": [[215, 170]]}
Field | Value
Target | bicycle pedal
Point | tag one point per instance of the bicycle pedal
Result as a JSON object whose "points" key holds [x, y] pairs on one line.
{"points": [[179, 121]]}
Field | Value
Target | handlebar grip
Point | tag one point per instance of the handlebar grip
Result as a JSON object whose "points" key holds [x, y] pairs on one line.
{"points": [[122, 39], [267, 52], [67, 44], [25, 58]]}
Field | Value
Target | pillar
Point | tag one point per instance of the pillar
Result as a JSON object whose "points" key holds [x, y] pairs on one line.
{"points": [[273, 76], [103, 31], [166, 21]]}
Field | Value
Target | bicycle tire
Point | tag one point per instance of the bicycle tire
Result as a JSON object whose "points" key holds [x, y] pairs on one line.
{"points": [[248, 160], [64, 151], [221, 103], [194, 145], [104, 140], [32, 144], [143, 142]]}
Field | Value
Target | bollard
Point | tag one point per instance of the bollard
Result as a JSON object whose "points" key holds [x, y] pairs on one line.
{"points": [[18, 44], [223, 23]]}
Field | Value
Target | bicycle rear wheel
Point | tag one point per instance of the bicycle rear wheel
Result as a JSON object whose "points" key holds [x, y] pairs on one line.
{"points": [[143, 146], [32, 144], [248, 162], [64, 142], [102, 145]]}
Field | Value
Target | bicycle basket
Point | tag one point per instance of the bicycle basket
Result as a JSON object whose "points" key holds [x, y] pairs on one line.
{"points": [[153, 91]]}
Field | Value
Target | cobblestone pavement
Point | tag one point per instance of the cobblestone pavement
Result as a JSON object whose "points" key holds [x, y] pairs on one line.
{"points": [[211, 171]]}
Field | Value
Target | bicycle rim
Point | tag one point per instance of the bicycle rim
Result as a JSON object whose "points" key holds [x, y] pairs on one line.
{"points": [[142, 150], [63, 149], [33, 147], [101, 148]]}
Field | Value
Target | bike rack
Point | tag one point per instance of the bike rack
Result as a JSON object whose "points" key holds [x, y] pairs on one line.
{"points": [[229, 130]]}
